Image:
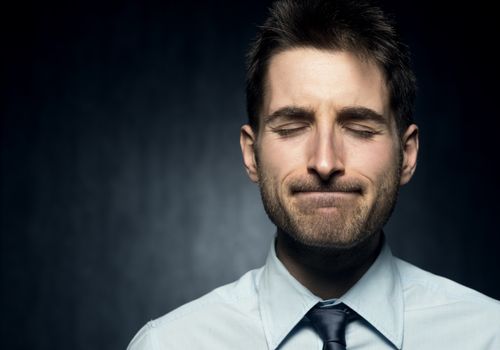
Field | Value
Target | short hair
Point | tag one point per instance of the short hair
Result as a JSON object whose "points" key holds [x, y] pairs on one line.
{"points": [[354, 26]]}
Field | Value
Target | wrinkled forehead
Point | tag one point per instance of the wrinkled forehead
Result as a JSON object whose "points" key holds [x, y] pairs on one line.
{"points": [[314, 78]]}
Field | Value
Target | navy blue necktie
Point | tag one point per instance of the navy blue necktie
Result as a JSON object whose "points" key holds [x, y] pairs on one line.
{"points": [[330, 325]]}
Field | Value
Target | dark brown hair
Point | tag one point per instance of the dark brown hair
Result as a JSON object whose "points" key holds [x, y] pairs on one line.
{"points": [[340, 25]]}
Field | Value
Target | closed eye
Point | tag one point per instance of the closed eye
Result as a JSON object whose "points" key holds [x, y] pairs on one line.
{"points": [[362, 132], [289, 129]]}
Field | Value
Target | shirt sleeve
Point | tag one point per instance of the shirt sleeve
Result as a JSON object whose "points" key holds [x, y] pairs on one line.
{"points": [[143, 340], [496, 342]]}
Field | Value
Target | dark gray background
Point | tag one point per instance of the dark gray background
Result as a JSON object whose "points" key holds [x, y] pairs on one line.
{"points": [[123, 194]]}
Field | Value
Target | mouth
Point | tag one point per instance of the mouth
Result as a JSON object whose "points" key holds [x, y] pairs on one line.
{"points": [[339, 188], [325, 199]]}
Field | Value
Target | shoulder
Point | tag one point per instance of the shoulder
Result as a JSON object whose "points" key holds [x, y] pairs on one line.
{"points": [[435, 290], [432, 299], [233, 304]]}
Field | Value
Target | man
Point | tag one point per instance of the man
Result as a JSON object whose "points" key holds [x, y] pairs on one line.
{"points": [[330, 139]]}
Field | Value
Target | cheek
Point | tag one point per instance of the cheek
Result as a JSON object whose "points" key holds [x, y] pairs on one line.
{"points": [[373, 160], [280, 158]]}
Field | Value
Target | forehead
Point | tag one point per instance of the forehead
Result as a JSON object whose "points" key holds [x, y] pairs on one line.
{"points": [[326, 80]]}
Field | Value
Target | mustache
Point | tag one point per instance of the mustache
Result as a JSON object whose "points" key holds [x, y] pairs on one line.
{"points": [[316, 185]]}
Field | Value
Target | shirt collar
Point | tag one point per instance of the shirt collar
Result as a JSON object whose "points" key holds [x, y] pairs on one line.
{"points": [[377, 297], [283, 301]]}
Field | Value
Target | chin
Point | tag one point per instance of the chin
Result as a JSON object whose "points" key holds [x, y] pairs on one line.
{"points": [[329, 240]]}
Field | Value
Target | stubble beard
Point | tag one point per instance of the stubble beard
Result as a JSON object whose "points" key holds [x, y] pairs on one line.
{"points": [[353, 223]]}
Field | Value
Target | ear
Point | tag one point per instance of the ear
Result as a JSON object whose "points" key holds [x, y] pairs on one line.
{"points": [[247, 143], [409, 143]]}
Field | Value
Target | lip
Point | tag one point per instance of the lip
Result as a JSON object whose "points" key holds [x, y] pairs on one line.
{"points": [[323, 199]]}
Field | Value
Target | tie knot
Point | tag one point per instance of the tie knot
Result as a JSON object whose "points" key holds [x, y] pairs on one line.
{"points": [[330, 323]]}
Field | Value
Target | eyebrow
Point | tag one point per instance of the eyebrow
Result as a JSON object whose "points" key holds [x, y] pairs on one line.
{"points": [[290, 112], [356, 113], [346, 114]]}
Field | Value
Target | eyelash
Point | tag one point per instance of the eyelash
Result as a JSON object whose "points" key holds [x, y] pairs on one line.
{"points": [[287, 132], [365, 134], [284, 132]]}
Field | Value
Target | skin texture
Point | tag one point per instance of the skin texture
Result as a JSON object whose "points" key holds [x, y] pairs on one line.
{"points": [[329, 162]]}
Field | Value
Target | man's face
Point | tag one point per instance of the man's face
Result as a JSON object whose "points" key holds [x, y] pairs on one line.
{"points": [[327, 156]]}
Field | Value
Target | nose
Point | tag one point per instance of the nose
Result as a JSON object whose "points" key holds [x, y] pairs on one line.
{"points": [[325, 156]]}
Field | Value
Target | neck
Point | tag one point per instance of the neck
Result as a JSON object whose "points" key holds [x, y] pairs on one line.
{"points": [[327, 273]]}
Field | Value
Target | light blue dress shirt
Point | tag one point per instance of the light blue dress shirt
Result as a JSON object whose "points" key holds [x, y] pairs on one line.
{"points": [[401, 307]]}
